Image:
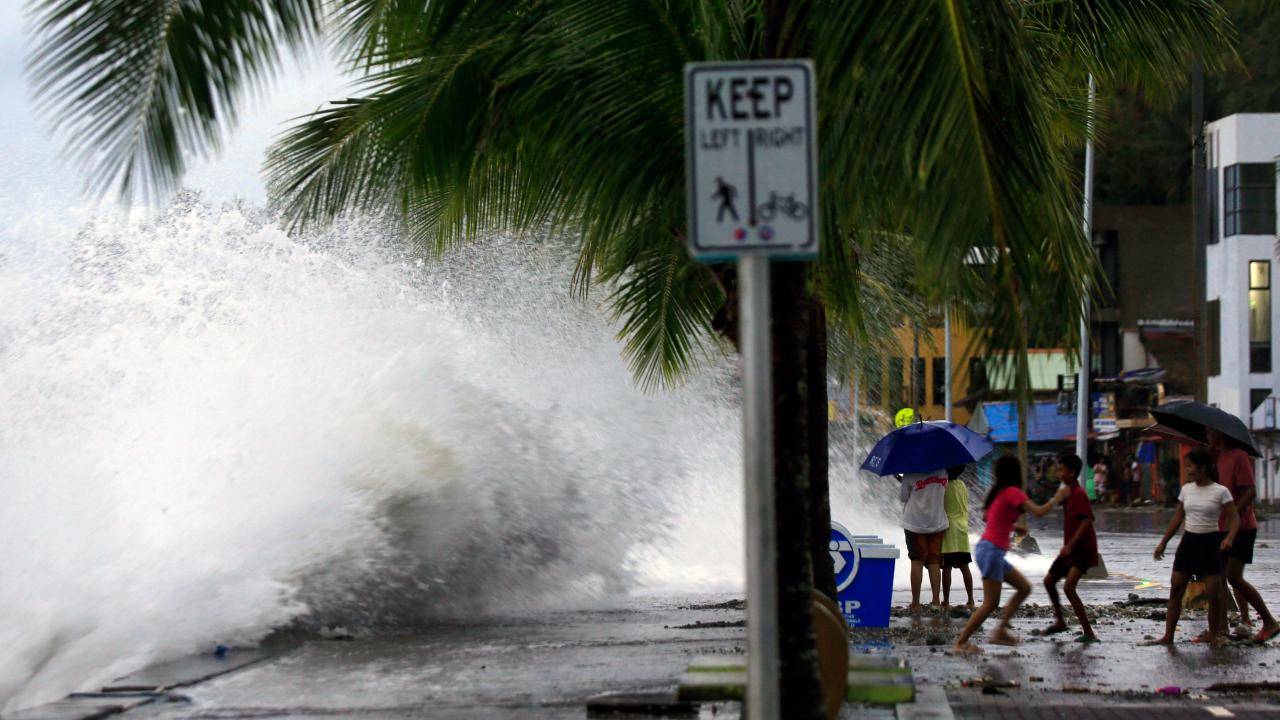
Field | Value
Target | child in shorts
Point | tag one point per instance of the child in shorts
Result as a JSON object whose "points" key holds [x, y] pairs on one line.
{"points": [[1005, 502], [955, 544], [1200, 550], [1079, 549]]}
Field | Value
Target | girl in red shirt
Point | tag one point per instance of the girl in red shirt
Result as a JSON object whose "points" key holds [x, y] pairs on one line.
{"points": [[1005, 502]]}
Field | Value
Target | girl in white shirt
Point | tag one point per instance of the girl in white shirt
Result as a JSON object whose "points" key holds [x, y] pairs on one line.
{"points": [[1200, 550]]}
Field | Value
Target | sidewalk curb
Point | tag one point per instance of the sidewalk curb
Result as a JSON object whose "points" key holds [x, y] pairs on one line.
{"points": [[931, 704]]}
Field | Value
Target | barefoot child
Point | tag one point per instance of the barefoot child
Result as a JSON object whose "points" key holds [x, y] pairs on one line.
{"points": [[1235, 473], [1079, 549], [1199, 551], [924, 523], [1004, 503], [955, 544]]}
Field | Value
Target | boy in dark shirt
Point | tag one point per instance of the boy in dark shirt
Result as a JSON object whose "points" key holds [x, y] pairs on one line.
{"points": [[1079, 549]]}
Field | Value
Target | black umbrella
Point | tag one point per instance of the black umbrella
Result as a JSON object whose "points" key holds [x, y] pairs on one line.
{"points": [[1191, 418]]}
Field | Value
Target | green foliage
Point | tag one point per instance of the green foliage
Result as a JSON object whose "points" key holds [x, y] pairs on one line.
{"points": [[1145, 155], [946, 125], [138, 86]]}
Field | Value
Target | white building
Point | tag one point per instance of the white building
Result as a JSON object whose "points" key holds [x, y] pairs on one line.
{"points": [[1243, 312]]}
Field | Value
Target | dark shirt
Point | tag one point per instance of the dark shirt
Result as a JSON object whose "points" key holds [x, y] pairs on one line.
{"points": [[1075, 510]]}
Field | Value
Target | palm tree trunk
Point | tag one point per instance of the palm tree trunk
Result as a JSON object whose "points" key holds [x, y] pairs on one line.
{"points": [[797, 424], [791, 317], [824, 575]]}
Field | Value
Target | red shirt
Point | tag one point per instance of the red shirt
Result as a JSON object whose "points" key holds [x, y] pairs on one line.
{"points": [[1075, 510], [1235, 472], [1001, 516]]}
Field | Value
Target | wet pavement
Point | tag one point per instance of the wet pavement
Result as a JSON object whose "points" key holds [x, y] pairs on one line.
{"points": [[545, 666], [1056, 677], [550, 665]]}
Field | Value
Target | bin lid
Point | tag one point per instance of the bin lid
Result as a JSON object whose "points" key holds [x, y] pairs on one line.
{"points": [[878, 551]]}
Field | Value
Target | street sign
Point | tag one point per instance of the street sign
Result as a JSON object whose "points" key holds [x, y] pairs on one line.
{"points": [[752, 180], [752, 154]]}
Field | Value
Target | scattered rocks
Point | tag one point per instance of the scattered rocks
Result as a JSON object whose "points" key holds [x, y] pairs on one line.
{"points": [[735, 604], [337, 632], [1245, 687], [709, 624]]}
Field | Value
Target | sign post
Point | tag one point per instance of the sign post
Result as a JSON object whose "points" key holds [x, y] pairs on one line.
{"points": [[751, 152]]}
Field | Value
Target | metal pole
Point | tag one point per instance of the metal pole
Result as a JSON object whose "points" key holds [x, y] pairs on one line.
{"points": [[1202, 230], [1082, 380], [763, 700], [857, 400], [946, 351]]}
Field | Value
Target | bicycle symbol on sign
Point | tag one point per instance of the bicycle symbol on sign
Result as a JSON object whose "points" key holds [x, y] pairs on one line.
{"points": [[787, 205]]}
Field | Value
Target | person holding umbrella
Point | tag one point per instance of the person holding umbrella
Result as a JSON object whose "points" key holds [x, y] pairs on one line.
{"points": [[1200, 550], [1232, 444], [916, 453], [924, 523], [1235, 473]]}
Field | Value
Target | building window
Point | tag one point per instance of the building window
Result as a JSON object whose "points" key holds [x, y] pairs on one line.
{"points": [[894, 395], [977, 376], [1107, 245], [871, 380], [1249, 199], [1257, 396], [939, 383], [1211, 187], [1214, 336], [917, 382], [1259, 316]]}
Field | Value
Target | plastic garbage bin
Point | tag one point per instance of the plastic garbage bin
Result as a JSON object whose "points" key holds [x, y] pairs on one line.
{"points": [[864, 577]]}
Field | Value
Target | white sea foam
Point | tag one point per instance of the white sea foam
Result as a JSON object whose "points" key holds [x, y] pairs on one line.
{"points": [[213, 430]]}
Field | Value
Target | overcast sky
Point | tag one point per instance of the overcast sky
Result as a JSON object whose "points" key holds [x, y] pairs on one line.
{"points": [[33, 176]]}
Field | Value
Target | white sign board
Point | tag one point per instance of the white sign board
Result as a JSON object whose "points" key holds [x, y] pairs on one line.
{"points": [[752, 148], [1105, 425]]}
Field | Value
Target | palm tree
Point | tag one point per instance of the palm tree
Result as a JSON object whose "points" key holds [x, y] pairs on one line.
{"points": [[948, 120]]}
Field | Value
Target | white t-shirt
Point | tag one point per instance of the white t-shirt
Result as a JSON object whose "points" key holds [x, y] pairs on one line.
{"points": [[1202, 506], [923, 494]]}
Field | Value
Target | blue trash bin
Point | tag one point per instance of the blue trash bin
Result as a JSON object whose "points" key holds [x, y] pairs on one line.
{"points": [[864, 577]]}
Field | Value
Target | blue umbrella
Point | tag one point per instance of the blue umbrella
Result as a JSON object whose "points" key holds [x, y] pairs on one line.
{"points": [[926, 446]]}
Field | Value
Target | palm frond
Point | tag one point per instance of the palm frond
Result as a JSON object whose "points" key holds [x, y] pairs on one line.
{"points": [[664, 303], [943, 121], [138, 86], [1132, 43]]}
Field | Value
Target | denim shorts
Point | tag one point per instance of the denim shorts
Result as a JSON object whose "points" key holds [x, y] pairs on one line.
{"points": [[991, 562]]}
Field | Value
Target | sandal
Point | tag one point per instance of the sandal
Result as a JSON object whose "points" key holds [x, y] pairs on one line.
{"points": [[1266, 634]]}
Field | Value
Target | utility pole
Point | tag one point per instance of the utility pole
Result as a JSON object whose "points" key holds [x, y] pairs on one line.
{"points": [[1200, 231], [946, 352], [1083, 395]]}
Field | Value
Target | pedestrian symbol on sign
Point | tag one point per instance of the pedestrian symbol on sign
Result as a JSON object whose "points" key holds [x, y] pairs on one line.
{"points": [[725, 193], [752, 159]]}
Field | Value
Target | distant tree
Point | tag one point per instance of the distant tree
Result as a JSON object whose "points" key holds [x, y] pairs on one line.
{"points": [[1144, 155]]}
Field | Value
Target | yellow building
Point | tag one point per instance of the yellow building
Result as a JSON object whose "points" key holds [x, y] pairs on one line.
{"points": [[888, 382]]}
